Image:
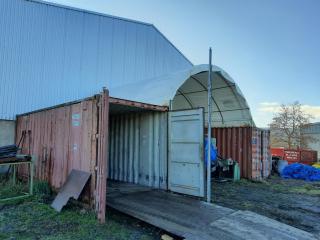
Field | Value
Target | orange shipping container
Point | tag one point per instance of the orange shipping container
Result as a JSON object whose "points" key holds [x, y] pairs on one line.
{"points": [[249, 146]]}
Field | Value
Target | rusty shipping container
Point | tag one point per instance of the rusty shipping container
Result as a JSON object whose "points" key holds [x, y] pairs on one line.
{"points": [[249, 146], [66, 137], [308, 156], [76, 136], [304, 156]]}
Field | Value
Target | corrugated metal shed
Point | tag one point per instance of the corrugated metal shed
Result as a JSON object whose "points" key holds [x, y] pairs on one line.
{"points": [[52, 54]]}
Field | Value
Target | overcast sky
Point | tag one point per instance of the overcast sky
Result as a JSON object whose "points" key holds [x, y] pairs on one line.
{"points": [[271, 48]]}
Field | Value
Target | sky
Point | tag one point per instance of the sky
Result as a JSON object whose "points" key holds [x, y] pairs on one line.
{"points": [[271, 48]]}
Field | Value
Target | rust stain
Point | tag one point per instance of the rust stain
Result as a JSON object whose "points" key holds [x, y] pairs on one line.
{"points": [[249, 146], [70, 136], [102, 157]]}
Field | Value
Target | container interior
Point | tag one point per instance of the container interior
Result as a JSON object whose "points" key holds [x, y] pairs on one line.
{"points": [[137, 146]]}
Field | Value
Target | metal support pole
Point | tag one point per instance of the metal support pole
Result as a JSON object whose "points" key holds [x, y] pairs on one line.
{"points": [[14, 176], [31, 175], [209, 131]]}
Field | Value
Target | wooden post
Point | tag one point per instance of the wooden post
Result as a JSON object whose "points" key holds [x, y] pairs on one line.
{"points": [[102, 158]]}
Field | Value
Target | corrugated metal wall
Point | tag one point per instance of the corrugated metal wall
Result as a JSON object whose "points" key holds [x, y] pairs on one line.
{"points": [[266, 154], [138, 148], [51, 55], [72, 136], [249, 146], [308, 156], [304, 156], [235, 143], [256, 154], [62, 139]]}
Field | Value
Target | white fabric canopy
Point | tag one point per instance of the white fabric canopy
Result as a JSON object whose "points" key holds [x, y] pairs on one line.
{"points": [[188, 89]]}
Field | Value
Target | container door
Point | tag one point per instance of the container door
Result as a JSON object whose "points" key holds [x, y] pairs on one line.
{"points": [[186, 153]]}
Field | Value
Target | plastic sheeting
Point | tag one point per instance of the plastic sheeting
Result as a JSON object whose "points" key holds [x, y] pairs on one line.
{"points": [[187, 89], [301, 171], [281, 165], [213, 152]]}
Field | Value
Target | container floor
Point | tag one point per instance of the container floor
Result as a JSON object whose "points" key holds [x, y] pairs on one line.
{"points": [[191, 218]]}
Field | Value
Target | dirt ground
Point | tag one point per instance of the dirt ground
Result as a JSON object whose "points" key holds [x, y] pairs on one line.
{"points": [[294, 202]]}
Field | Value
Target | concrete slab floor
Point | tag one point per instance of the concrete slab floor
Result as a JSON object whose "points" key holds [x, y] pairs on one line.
{"points": [[193, 219]]}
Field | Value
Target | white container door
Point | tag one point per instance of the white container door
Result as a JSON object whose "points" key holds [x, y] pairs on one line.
{"points": [[186, 153]]}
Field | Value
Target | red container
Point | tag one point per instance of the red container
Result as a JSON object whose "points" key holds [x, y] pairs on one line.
{"points": [[295, 155], [291, 155], [277, 152], [65, 137], [308, 156], [249, 146]]}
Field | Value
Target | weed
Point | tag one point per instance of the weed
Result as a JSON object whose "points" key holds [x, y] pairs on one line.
{"points": [[9, 189]]}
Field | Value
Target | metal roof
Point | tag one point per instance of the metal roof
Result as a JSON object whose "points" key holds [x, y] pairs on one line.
{"points": [[188, 89], [109, 16], [52, 54]]}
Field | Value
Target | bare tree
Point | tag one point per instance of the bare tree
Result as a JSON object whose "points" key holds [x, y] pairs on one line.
{"points": [[287, 124]]}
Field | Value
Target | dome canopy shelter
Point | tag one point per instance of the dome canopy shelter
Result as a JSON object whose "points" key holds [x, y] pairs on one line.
{"points": [[188, 89]]}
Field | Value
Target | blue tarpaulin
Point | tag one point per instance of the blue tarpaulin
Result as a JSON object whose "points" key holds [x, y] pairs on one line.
{"points": [[213, 152], [301, 171]]}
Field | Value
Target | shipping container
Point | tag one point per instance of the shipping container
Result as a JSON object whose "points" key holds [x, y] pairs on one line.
{"points": [[66, 137], [304, 156], [308, 157], [249, 146], [76, 136]]}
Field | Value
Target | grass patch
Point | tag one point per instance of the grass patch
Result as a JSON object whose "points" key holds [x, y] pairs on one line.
{"points": [[306, 189], [34, 218], [8, 189]]}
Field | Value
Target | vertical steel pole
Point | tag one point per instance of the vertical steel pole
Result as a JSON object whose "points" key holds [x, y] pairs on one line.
{"points": [[31, 175], [209, 132]]}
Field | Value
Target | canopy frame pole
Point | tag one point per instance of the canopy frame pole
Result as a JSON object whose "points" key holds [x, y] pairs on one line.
{"points": [[209, 130]]}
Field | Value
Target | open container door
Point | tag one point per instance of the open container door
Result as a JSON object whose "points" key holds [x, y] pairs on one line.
{"points": [[186, 153]]}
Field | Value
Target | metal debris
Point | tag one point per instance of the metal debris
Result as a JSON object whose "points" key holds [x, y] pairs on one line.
{"points": [[72, 188]]}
